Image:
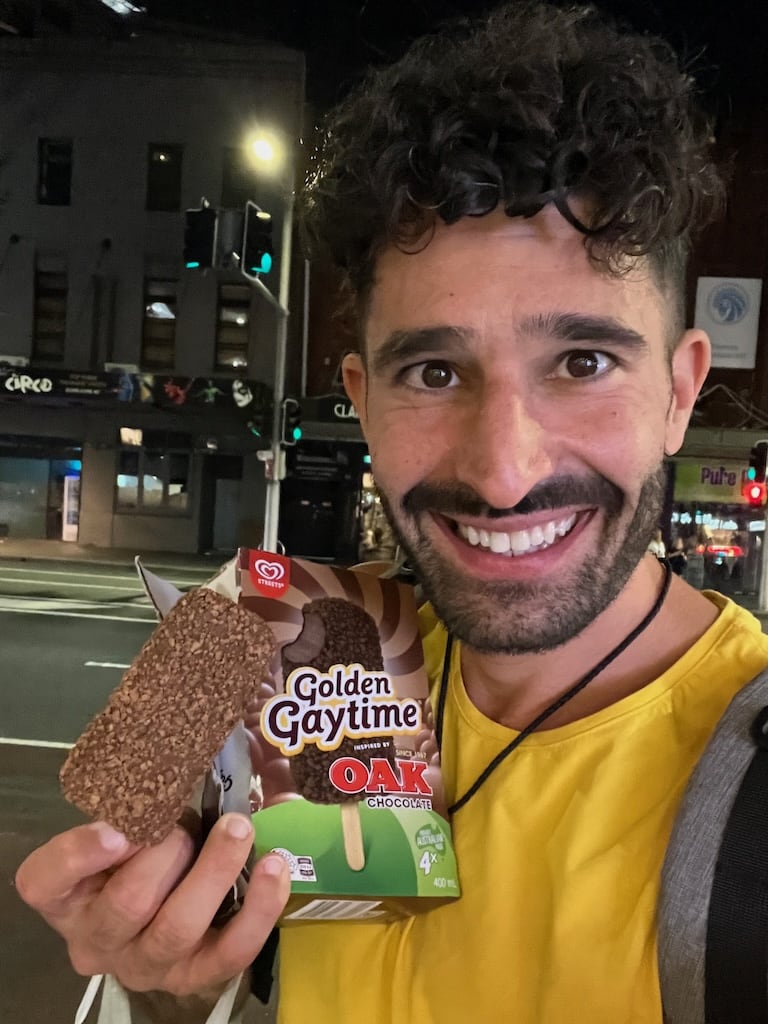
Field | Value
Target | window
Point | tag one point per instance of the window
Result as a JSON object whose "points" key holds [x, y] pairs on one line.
{"points": [[232, 327], [164, 176], [50, 317], [158, 334], [154, 480], [54, 171], [238, 181]]}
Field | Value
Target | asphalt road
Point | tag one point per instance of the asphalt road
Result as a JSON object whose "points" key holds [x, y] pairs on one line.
{"points": [[69, 588], [66, 631], [62, 669]]}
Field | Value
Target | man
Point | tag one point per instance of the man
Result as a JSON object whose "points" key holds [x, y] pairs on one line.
{"points": [[512, 205]]}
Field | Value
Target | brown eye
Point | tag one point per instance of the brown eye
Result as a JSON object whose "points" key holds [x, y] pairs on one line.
{"points": [[586, 364], [436, 375]]}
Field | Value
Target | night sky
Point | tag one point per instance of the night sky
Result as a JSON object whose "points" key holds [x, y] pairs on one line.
{"points": [[342, 37]]}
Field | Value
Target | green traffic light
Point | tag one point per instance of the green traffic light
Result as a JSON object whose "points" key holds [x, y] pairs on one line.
{"points": [[193, 265], [296, 433], [751, 473], [264, 266]]}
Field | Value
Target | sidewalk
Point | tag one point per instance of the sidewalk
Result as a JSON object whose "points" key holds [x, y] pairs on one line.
{"points": [[62, 551]]}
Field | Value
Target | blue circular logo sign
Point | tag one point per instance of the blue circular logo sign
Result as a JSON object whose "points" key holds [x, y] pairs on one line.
{"points": [[728, 303]]}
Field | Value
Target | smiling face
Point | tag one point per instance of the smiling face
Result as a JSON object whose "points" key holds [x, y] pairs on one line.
{"points": [[517, 403]]}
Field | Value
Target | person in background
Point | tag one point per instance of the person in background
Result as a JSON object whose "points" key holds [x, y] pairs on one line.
{"points": [[511, 205], [677, 557], [657, 546]]}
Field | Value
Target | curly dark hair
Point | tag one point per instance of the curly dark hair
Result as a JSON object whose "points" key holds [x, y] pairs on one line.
{"points": [[530, 105]]}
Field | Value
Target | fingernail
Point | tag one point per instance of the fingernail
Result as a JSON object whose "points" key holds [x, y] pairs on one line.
{"points": [[273, 865], [238, 827], [109, 838]]}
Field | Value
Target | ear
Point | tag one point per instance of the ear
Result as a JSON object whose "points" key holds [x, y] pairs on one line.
{"points": [[356, 384], [690, 365]]}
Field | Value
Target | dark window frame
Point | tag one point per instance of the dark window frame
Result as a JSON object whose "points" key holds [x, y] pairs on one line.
{"points": [[232, 339], [51, 298], [159, 331], [55, 157], [144, 456]]}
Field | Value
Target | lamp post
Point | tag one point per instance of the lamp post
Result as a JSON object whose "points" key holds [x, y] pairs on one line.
{"points": [[268, 153]]}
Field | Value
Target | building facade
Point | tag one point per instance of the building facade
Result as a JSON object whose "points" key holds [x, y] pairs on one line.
{"points": [[146, 383]]}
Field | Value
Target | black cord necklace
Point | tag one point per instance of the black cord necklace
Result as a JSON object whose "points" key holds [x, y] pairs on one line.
{"points": [[555, 706]]}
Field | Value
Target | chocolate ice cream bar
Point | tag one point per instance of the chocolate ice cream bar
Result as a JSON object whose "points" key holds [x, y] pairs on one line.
{"points": [[336, 632], [136, 764]]}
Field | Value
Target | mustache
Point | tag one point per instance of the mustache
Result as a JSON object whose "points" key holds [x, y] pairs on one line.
{"points": [[456, 499]]}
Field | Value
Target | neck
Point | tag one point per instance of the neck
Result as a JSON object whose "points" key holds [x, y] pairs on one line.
{"points": [[514, 689]]}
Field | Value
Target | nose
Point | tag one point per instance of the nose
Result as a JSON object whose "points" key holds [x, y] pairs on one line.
{"points": [[502, 447]]}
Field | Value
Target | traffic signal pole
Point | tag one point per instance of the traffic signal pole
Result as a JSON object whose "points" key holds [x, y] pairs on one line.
{"points": [[280, 305], [756, 478], [201, 250]]}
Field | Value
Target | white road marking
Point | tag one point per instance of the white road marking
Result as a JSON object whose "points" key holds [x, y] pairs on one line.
{"points": [[137, 589], [50, 744], [32, 600], [105, 664], [73, 615], [102, 576]]}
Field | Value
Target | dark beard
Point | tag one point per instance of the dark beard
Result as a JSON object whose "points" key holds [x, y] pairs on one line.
{"points": [[529, 617]]}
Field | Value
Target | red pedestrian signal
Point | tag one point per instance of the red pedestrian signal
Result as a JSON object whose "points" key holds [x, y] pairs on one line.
{"points": [[754, 492]]}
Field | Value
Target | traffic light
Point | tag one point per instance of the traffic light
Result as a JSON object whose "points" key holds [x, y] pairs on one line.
{"points": [[259, 422], [257, 241], [753, 486], [754, 492], [758, 461], [291, 432], [199, 237]]}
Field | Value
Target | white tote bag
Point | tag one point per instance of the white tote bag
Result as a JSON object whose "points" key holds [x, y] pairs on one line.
{"points": [[116, 1008]]}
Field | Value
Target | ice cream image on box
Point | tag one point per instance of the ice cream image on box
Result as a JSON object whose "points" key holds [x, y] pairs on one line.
{"points": [[336, 632], [137, 762]]}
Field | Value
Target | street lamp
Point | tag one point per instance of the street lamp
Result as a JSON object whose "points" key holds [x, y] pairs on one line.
{"points": [[262, 149], [275, 158]]}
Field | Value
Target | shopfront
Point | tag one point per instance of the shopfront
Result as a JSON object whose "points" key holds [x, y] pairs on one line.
{"points": [[136, 461], [721, 534], [39, 483]]}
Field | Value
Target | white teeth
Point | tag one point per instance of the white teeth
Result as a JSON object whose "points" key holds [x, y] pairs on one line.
{"points": [[565, 525], [537, 536], [519, 542], [500, 543]]}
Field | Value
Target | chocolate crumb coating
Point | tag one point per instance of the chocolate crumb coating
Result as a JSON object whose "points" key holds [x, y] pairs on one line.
{"points": [[136, 764], [335, 632]]}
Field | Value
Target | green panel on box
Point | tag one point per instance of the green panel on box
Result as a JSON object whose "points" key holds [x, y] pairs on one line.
{"points": [[432, 852], [391, 851]]}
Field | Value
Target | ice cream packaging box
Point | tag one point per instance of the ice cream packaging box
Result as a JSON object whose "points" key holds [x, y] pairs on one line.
{"points": [[345, 770]]}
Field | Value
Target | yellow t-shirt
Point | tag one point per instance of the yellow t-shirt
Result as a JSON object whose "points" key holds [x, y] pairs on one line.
{"points": [[559, 855]]}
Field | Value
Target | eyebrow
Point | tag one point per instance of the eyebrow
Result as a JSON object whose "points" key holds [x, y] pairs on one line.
{"points": [[579, 327], [403, 345]]}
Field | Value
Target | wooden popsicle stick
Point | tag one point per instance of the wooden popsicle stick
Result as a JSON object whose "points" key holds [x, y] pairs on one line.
{"points": [[353, 836]]}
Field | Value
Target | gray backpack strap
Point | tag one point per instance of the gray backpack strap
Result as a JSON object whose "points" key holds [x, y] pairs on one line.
{"points": [[711, 824]]}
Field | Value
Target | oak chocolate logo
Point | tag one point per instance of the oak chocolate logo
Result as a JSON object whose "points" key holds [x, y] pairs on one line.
{"points": [[270, 574], [350, 775]]}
